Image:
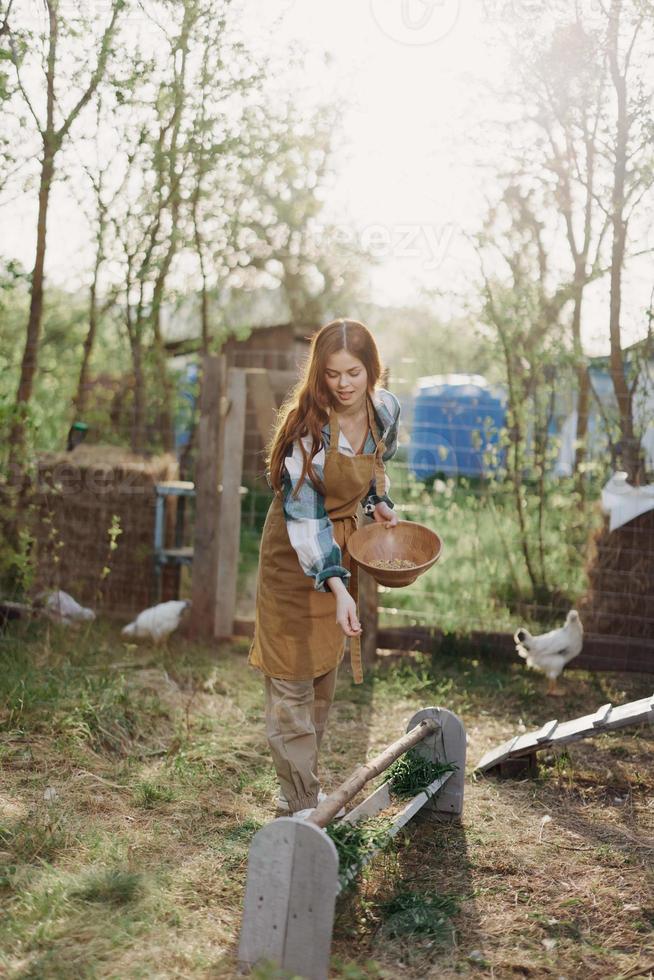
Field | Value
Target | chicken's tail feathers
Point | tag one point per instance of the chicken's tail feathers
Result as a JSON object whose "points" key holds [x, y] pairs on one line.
{"points": [[522, 636]]}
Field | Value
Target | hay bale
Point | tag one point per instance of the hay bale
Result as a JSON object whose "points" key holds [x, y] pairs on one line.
{"points": [[620, 569], [77, 496]]}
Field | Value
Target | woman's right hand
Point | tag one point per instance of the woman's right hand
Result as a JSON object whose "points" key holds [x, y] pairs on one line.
{"points": [[346, 614]]}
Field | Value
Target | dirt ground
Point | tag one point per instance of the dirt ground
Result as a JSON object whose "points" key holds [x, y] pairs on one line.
{"points": [[134, 779]]}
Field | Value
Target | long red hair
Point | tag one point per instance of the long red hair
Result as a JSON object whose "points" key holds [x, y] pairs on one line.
{"points": [[307, 408]]}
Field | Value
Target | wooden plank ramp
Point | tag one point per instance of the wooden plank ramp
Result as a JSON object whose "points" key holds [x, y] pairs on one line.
{"points": [[607, 718]]}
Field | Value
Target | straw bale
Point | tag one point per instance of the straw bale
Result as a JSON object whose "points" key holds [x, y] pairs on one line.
{"points": [[620, 569], [77, 495]]}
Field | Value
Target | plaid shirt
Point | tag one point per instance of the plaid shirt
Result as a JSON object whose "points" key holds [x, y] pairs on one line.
{"points": [[310, 530]]}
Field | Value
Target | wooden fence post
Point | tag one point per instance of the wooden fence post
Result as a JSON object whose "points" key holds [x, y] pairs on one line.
{"points": [[229, 511], [262, 398], [205, 543]]}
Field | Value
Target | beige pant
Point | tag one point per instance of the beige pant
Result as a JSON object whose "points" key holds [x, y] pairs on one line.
{"points": [[296, 715]]}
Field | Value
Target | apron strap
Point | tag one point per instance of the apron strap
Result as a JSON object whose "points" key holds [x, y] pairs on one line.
{"points": [[380, 447], [356, 661]]}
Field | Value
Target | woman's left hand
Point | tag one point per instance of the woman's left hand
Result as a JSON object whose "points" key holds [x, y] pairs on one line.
{"points": [[385, 514]]}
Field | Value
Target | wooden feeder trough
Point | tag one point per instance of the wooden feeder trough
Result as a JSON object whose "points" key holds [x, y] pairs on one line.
{"points": [[292, 881], [408, 540]]}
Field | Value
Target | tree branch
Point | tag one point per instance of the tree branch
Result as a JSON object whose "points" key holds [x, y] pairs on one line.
{"points": [[96, 78]]}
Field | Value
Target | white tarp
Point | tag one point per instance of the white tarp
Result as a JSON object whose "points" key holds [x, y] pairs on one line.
{"points": [[623, 502]]}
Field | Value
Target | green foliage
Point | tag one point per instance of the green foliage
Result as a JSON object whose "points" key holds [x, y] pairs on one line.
{"points": [[412, 773], [104, 714], [427, 346], [356, 842], [65, 321], [113, 533]]}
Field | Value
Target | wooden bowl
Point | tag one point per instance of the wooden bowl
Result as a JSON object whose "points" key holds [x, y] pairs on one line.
{"points": [[407, 539]]}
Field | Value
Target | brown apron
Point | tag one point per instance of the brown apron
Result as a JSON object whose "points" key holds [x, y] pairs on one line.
{"points": [[296, 636]]}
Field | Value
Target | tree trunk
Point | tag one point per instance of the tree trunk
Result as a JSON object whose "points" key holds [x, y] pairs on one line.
{"points": [[134, 328], [138, 420], [166, 420], [582, 381], [630, 448], [79, 401], [30, 353]]}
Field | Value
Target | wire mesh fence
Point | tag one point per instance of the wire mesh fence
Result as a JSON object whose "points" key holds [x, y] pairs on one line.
{"points": [[512, 555], [501, 566]]}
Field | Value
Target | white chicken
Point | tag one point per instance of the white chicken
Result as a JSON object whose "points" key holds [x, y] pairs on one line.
{"points": [[157, 622], [551, 651], [65, 609]]}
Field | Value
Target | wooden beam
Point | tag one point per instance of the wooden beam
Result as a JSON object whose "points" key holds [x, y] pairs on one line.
{"points": [[229, 513], [599, 652], [262, 399], [205, 538], [282, 380]]}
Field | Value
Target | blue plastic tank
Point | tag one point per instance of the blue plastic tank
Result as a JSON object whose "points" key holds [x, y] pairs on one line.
{"points": [[457, 418]]}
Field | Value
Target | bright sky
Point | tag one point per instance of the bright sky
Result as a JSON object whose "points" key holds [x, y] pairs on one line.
{"points": [[406, 178]]}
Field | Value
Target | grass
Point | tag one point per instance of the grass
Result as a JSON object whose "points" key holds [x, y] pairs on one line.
{"points": [[109, 886], [150, 795], [133, 781], [424, 914]]}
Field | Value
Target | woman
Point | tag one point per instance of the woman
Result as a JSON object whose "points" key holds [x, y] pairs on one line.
{"points": [[326, 456]]}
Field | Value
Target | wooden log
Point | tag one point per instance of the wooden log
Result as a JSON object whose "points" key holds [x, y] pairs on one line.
{"points": [[229, 517], [205, 538], [327, 810]]}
